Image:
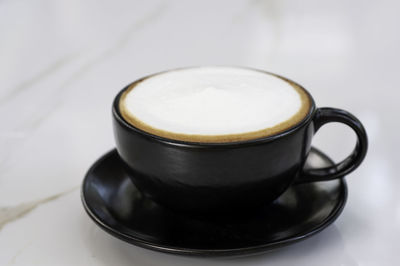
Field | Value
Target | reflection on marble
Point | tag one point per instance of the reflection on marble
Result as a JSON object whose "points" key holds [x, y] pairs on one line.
{"points": [[62, 62]]}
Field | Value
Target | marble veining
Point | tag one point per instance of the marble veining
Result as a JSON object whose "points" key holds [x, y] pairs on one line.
{"points": [[54, 103], [10, 214], [26, 84], [25, 127]]}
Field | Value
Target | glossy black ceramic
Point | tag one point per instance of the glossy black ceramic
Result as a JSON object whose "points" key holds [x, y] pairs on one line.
{"points": [[114, 203], [221, 177]]}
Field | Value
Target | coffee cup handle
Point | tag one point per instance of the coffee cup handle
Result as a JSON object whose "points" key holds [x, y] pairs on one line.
{"points": [[327, 115]]}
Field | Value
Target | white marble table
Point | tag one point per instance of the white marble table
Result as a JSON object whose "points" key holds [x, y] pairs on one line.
{"points": [[62, 62]]}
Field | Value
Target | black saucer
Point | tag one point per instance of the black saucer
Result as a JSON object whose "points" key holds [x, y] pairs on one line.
{"points": [[114, 203]]}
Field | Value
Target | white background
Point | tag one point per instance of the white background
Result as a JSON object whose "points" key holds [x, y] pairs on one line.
{"points": [[62, 62]]}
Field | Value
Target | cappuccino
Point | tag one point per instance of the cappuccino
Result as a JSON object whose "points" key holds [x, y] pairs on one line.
{"points": [[214, 104]]}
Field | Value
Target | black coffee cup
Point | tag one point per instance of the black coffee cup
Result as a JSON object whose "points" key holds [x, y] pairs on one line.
{"points": [[233, 176]]}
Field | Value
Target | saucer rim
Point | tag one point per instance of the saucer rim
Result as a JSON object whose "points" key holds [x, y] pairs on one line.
{"points": [[216, 252]]}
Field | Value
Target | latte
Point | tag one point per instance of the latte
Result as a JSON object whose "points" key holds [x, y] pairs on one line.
{"points": [[214, 104]]}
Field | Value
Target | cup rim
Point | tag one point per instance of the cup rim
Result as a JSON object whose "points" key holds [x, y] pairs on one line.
{"points": [[117, 115]]}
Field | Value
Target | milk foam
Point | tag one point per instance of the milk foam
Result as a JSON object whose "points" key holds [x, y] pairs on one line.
{"points": [[212, 101]]}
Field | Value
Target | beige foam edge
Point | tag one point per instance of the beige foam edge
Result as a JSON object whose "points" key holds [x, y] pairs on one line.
{"points": [[294, 120]]}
